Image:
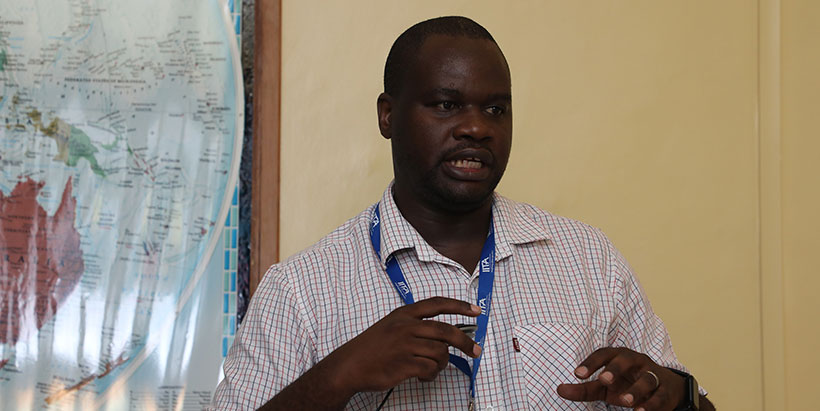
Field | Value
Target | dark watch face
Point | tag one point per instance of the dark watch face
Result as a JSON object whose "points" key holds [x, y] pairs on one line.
{"points": [[692, 399]]}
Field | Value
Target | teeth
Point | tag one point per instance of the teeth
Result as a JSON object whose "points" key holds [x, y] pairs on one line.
{"points": [[467, 163]]}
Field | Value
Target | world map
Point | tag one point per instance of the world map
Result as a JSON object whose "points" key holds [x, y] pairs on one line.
{"points": [[120, 135]]}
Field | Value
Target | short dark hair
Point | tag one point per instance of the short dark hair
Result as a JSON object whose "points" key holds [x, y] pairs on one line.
{"points": [[409, 42]]}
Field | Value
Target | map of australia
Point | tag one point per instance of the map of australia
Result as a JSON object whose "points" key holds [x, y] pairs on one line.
{"points": [[41, 258]]}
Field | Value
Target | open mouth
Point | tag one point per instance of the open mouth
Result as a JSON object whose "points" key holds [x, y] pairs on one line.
{"points": [[475, 166], [467, 163]]}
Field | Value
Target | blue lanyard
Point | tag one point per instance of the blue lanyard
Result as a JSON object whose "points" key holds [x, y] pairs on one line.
{"points": [[483, 298]]}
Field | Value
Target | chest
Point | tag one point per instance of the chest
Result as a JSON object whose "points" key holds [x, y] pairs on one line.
{"points": [[548, 312]]}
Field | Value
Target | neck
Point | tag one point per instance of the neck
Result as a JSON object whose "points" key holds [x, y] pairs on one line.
{"points": [[458, 235]]}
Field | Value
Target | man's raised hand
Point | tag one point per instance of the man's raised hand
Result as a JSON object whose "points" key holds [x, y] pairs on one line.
{"points": [[402, 345]]}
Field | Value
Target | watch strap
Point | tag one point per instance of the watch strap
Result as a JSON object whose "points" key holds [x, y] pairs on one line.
{"points": [[691, 395]]}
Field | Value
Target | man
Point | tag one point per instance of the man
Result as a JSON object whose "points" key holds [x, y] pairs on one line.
{"points": [[381, 312]]}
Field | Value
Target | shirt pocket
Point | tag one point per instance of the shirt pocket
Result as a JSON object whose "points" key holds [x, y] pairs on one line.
{"points": [[548, 355]]}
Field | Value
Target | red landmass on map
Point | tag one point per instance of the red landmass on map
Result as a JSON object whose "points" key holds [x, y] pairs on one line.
{"points": [[40, 258]]}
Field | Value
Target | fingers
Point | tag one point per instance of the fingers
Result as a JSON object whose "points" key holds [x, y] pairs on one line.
{"points": [[427, 369], [431, 357], [669, 392], [641, 390], [621, 372], [594, 361], [660, 399], [448, 334], [622, 367], [443, 332], [436, 351], [432, 307], [587, 391], [628, 379]]}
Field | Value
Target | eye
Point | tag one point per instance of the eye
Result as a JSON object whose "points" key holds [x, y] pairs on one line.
{"points": [[495, 110], [446, 105]]}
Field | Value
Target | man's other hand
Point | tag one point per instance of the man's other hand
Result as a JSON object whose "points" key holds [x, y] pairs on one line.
{"points": [[629, 379]]}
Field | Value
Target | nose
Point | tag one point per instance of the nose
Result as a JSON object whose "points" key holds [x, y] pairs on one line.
{"points": [[473, 124]]}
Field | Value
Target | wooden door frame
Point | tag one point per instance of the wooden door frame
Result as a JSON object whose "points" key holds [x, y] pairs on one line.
{"points": [[264, 242]]}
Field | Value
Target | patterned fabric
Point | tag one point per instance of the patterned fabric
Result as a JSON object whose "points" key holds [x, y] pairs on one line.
{"points": [[561, 291]]}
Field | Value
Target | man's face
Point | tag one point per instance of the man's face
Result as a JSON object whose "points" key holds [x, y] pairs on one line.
{"points": [[451, 124]]}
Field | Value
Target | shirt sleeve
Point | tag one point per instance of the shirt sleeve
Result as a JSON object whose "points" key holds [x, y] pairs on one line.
{"points": [[636, 326], [272, 347]]}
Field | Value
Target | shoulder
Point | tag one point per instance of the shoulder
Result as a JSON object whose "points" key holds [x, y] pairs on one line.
{"points": [[555, 227], [345, 243], [579, 247]]}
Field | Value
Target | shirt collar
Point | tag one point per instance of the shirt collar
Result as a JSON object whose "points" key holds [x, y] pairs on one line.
{"points": [[512, 222], [514, 225], [396, 232]]}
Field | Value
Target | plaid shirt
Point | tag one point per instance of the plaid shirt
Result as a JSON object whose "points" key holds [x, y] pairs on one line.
{"points": [[561, 291]]}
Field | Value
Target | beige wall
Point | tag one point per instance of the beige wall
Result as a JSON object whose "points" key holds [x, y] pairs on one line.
{"points": [[659, 122], [801, 199]]}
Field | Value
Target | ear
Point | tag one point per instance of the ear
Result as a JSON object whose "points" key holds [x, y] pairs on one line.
{"points": [[384, 106]]}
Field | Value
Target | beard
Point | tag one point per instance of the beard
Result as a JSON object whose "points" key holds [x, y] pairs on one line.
{"points": [[456, 196], [431, 186]]}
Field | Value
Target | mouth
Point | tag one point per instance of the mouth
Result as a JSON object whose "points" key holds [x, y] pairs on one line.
{"points": [[469, 164]]}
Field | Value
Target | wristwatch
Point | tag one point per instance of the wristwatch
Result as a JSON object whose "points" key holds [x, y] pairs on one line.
{"points": [[691, 395]]}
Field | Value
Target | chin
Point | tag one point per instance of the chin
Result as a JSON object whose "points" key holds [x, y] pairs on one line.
{"points": [[459, 198]]}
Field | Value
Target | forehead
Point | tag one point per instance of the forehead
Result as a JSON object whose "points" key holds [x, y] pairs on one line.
{"points": [[458, 62]]}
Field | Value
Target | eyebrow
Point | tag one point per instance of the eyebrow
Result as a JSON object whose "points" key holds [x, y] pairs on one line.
{"points": [[447, 92], [501, 96], [456, 93]]}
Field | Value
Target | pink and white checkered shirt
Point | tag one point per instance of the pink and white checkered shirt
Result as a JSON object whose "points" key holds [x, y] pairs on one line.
{"points": [[561, 291]]}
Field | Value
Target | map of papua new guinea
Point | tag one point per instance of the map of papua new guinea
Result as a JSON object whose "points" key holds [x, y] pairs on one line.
{"points": [[119, 139]]}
